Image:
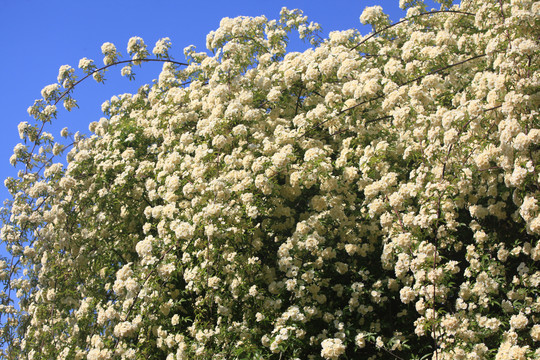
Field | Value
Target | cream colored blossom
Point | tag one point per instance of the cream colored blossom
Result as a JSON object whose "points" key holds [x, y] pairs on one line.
{"points": [[518, 321], [371, 14], [332, 348]]}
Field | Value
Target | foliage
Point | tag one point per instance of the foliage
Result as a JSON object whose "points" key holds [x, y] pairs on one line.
{"points": [[372, 197]]}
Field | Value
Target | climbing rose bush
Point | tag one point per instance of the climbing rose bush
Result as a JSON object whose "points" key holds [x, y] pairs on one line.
{"points": [[373, 197]]}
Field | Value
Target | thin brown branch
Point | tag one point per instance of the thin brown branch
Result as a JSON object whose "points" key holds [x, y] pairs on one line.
{"points": [[442, 69], [399, 86], [386, 350], [378, 119], [91, 74], [408, 19], [398, 215], [113, 64], [298, 101]]}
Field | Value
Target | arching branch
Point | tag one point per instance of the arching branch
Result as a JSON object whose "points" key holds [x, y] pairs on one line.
{"points": [[408, 19]]}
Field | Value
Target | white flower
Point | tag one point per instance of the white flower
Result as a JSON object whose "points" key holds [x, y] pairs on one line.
{"points": [[126, 71], [49, 110], [49, 90], [51, 294], [332, 348], [525, 46], [518, 176], [64, 132], [535, 332], [528, 208], [85, 63], [219, 141], [124, 329], [124, 273], [259, 317], [165, 270], [518, 321], [182, 229], [274, 95], [239, 130], [135, 44], [371, 14], [20, 149], [105, 106], [214, 282], [64, 72], [450, 136], [22, 129], [406, 295], [521, 141], [144, 247], [108, 49], [162, 46], [360, 340]]}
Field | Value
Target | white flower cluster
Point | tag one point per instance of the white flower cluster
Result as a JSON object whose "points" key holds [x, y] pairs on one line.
{"points": [[162, 47], [86, 64], [137, 49], [371, 14], [109, 50], [332, 348]]}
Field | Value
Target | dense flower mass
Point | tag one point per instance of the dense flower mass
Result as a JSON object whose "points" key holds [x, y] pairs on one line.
{"points": [[373, 197]]}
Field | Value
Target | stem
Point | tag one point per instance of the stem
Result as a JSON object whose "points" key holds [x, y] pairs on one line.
{"points": [[91, 74], [298, 101], [385, 349], [113, 64], [410, 18], [442, 69], [399, 86], [146, 279], [398, 215]]}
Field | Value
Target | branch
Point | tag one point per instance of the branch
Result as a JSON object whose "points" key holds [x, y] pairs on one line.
{"points": [[399, 86], [442, 69], [410, 18], [398, 215], [298, 101], [91, 74], [366, 123], [148, 277], [114, 64]]}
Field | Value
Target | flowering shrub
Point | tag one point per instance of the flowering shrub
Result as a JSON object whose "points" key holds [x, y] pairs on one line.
{"points": [[371, 197]]}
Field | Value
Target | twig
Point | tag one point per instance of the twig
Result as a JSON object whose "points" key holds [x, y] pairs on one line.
{"points": [[410, 18], [399, 86]]}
